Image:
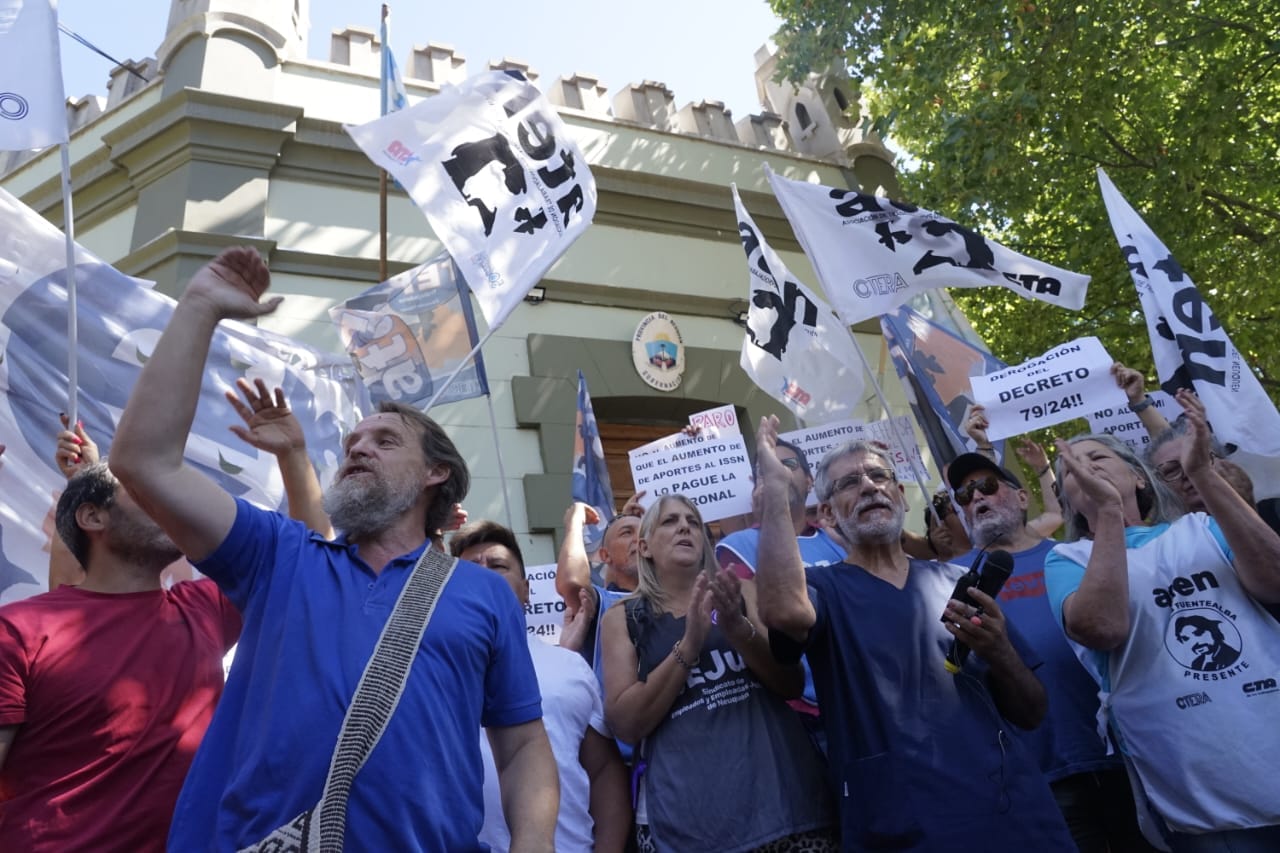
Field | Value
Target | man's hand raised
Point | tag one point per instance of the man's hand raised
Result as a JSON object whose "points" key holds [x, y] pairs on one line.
{"points": [[232, 285]]}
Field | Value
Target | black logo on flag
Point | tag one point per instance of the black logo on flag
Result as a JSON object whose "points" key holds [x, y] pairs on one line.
{"points": [[13, 106]]}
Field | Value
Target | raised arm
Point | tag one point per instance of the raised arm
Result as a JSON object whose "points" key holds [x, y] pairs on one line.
{"points": [[147, 454], [1035, 458], [269, 425], [1134, 386], [1096, 615], [781, 591], [1255, 547], [975, 426], [573, 566], [737, 616]]}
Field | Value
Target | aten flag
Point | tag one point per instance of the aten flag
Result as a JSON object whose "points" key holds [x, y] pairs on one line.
{"points": [[405, 334], [494, 170], [796, 349], [873, 254], [120, 321], [32, 110], [1190, 347]]}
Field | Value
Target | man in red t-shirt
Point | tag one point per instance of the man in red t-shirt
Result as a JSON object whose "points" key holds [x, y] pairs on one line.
{"points": [[106, 688]]}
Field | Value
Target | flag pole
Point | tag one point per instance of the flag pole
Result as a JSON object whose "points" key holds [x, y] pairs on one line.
{"points": [[497, 449], [921, 476], [449, 381], [73, 331], [382, 173]]}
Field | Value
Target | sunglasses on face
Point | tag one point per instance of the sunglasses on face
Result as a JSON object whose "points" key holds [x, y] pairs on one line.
{"points": [[877, 476], [988, 485]]}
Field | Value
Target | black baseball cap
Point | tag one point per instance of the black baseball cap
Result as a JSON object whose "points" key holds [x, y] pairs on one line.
{"points": [[966, 463]]}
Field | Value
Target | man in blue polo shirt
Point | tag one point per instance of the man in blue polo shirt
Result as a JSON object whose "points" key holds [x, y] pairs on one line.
{"points": [[1091, 787], [922, 759], [313, 611]]}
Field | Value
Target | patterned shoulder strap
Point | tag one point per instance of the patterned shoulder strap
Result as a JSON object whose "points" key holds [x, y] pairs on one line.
{"points": [[378, 693]]}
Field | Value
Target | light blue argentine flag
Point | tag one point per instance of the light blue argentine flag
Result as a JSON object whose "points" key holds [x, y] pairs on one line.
{"points": [[393, 95]]}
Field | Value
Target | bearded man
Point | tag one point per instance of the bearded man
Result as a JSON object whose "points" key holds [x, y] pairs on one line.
{"points": [[1090, 786], [920, 757], [314, 610]]}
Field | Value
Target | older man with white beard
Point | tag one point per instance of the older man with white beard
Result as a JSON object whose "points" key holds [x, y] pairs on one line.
{"points": [[315, 608], [1090, 786], [920, 757]]}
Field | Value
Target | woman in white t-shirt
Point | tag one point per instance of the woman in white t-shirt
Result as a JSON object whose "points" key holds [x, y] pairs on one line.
{"points": [[1166, 611]]}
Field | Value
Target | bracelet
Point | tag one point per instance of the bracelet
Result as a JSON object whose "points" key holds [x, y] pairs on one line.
{"points": [[752, 626], [1045, 470], [985, 448], [688, 667], [1143, 404]]}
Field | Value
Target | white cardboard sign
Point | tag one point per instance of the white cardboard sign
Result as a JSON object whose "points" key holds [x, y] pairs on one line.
{"points": [[1069, 381]]}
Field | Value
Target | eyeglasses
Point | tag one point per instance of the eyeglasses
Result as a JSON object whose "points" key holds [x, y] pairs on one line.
{"points": [[877, 476], [988, 485], [1171, 471]]}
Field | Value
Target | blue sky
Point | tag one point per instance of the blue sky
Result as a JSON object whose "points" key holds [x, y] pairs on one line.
{"points": [[702, 49]]}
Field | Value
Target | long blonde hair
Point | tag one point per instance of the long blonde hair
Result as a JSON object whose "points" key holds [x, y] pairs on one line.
{"points": [[648, 586]]}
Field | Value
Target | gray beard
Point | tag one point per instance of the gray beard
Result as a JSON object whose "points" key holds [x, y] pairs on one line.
{"points": [[874, 533], [995, 529], [365, 509]]}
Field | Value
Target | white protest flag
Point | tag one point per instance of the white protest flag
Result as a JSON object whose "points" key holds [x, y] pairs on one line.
{"points": [[493, 168], [32, 106], [796, 349], [873, 254], [1189, 345], [120, 322]]}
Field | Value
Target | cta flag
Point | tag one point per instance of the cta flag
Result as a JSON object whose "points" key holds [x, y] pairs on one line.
{"points": [[410, 330], [392, 88], [796, 349], [873, 254], [935, 366], [32, 105], [1190, 347], [120, 321], [493, 168], [590, 473]]}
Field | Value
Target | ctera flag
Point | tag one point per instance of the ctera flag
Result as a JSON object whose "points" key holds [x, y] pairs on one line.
{"points": [[1189, 345], [32, 105], [120, 321], [590, 474], [410, 329], [934, 365], [873, 254], [795, 349], [493, 168]]}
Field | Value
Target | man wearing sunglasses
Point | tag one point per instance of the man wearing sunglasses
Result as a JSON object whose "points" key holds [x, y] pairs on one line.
{"points": [[921, 759], [1092, 789]]}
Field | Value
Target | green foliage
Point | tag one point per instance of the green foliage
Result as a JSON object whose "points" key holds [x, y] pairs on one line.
{"points": [[1005, 109]]}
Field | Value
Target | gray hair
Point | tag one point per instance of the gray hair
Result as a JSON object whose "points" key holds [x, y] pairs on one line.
{"points": [[1157, 502], [648, 585], [93, 484], [822, 483]]}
